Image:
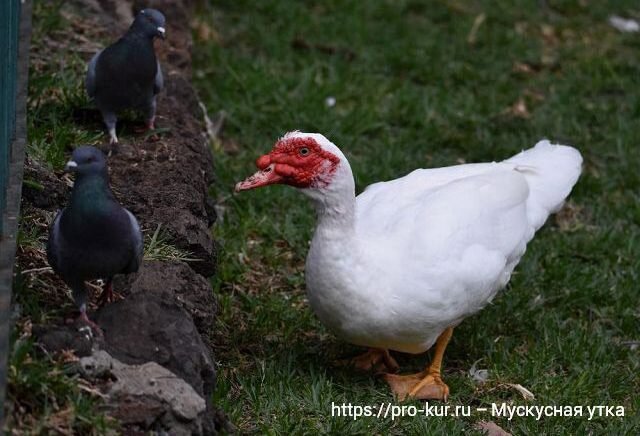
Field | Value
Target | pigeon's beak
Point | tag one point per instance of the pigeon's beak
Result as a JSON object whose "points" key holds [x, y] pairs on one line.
{"points": [[71, 166], [266, 176], [161, 32]]}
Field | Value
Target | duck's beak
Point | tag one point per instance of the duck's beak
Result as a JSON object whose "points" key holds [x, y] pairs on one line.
{"points": [[264, 177]]}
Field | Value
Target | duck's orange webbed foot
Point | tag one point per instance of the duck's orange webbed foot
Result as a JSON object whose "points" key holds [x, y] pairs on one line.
{"points": [[428, 384], [421, 386], [374, 359]]}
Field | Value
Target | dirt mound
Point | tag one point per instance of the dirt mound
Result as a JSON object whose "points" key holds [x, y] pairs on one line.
{"points": [[168, 310]]}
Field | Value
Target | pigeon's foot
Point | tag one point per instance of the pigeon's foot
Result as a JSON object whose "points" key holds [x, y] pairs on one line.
{"points": [[113, 139], [425, 385], [141, 129], [374, 359], [150, 126], [113, 142], [84, 319], [107, 295]]}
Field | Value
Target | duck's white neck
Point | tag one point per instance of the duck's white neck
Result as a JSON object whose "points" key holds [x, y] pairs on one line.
{"points": [[335, 206]]}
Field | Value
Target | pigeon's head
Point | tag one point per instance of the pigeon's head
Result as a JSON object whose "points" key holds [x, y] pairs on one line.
{"points": [[87, 160], [302, 160], [149, 22]]}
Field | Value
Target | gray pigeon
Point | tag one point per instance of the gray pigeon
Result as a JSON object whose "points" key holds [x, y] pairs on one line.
{"points": [[127, 75], [93, 237]]}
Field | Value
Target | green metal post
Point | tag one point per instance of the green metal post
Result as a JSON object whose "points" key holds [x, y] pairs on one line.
{"points": [[15, 32]]}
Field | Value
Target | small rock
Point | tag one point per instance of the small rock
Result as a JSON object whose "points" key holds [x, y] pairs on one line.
{"points": [[99, 364], [147, 397], [153, 381]]}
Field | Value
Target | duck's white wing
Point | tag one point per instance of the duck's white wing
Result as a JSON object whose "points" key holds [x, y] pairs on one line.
{"points": [[457, 233], [440, 220], [454, 198]]}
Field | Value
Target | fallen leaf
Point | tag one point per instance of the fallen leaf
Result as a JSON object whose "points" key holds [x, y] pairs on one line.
{"points": [[522, 67], [526, 393], [490, 428], [473, 33], [519, 109], [569, 218]]}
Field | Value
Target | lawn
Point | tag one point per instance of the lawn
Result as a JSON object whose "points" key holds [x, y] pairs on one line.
{"points": [[428, 84]]}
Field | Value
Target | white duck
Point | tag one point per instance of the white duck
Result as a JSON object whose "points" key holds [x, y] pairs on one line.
{"points": [[400, 265]]}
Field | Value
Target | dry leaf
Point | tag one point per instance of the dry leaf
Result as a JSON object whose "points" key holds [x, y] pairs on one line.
{"points": [[522, 67], [490, 428], [473, 33], [519, 109], [569, 217], [526, 393]]}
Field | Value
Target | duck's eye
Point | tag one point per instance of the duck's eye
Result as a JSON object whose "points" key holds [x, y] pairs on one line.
{"points": [[304, 151]]}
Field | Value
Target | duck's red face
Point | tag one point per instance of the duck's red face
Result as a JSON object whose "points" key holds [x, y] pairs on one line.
{"points": [[295, 161]]}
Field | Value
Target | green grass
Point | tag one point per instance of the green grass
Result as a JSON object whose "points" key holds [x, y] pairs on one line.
{"points": [[411, 91], [46, 397], [56, 90]]}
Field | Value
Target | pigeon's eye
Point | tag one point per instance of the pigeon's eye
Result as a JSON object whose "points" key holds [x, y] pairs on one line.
{"points": [[91, 159], [304, 151]]}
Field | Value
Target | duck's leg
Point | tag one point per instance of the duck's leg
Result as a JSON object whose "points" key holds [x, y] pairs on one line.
{"points": [[428, 384], [373, 359]]}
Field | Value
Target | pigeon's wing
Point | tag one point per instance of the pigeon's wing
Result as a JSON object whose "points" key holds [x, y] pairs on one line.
{"points": [[90, 82], [158, 84], [138, 245], [53, 244]]}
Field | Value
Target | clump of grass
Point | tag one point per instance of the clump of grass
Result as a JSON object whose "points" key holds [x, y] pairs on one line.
{"points": [[56, 98], [44, 398], [158, 247]]}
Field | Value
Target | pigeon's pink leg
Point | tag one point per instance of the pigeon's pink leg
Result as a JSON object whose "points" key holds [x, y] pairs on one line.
{"points": [[107, 294], [149, 125], [85, 319]]}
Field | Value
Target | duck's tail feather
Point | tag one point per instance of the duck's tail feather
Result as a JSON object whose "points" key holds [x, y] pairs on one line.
{"points": [[551, 171]]}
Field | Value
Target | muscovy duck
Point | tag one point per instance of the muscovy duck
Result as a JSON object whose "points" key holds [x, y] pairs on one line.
{"points": [[403, 263]]}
